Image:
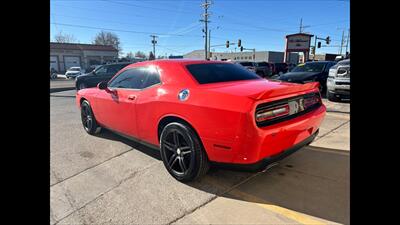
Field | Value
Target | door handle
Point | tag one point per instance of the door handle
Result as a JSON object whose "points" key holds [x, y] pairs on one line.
{"points": [[131, 97]]}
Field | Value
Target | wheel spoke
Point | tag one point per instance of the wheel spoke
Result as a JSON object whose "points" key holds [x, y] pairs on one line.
{"points": [[169, 146], [182, 164], [186, 152], [185, 148], [176, 138], [89, 122], [172, 160]]}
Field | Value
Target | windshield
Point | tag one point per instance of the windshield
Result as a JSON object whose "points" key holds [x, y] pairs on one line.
{"points": [[220, 72], [74, 69], [309, 67], [246, 64], [262, 64]]}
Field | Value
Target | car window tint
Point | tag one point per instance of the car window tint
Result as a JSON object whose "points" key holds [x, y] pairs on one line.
{"points": [[130, 78], [152, 78], [220, 72]]}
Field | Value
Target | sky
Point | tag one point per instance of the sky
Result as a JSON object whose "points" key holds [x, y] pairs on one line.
{"points": [[260, 24]]}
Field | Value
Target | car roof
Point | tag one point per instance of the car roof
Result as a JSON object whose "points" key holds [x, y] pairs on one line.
{"points": [[320, 62], [176, 62]]}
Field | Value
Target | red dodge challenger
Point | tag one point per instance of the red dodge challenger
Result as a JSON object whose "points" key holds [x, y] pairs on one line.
{"points": [[199, 112]]}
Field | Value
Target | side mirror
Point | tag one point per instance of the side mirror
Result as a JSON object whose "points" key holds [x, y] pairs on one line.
{"points": [[102, 85]]}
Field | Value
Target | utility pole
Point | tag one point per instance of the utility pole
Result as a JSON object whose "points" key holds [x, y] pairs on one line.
{"points": [[348, 37], [154, 42], [205, 5], [341, 43], [209, 41], [301, 26], [315, 47]]}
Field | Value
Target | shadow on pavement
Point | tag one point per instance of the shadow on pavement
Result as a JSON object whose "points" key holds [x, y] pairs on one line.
{"points": [[313, 181]]}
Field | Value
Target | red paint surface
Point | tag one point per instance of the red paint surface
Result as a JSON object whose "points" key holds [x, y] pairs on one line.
{"points": [[221, 113]]}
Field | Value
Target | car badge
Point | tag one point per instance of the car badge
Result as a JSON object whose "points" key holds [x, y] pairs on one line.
{"points": [[183, 95]]}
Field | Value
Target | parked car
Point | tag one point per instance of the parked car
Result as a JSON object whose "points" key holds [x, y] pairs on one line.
{"points": [[291, 66], [196, 112], [309, 72], [53, 73], [73, 72], [281, 68], [264, 69], [91, 68], [338, 83], [248, 65], [101, 73]]}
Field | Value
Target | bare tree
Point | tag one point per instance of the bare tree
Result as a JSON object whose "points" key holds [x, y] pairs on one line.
{"points": [[140, 54], [129, 55], [64, 38], [108, 38]]}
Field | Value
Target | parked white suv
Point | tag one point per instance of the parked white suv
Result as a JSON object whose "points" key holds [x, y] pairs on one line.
{"points": [[338, 83], [73, 72]]}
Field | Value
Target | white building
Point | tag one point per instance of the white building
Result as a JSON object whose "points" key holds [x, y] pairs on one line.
{"points": [[268, 56], [65, 55]]}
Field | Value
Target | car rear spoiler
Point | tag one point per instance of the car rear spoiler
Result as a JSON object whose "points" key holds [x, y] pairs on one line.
{"points": [[285, 90]]}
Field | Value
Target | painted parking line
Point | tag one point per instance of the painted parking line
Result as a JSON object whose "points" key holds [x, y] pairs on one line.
{"points": [[290, 214], [296, 216]]}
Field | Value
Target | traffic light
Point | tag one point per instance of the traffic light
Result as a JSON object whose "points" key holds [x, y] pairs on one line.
{"points": [[328, 40], [319, 44], [227, 44], [239, 43], [241, 48], [313, 50]]}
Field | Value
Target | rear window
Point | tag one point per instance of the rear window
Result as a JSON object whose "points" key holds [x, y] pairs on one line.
{"points": [[220, 72]]}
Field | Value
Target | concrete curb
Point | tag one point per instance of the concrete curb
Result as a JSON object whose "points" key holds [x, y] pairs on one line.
{"points": [[52, 90]]}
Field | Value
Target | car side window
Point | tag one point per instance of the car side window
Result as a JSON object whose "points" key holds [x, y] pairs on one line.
{"points": [[152, 78], [114, 69], [102, 70], [131, 78]]}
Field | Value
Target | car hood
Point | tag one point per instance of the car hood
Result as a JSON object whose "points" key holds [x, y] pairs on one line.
{"points": [[298, 75], [259, 89], [83, 76]]}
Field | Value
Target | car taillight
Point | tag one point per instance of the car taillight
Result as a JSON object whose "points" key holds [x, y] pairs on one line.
{"points": [[271, 113], [311, 101]]}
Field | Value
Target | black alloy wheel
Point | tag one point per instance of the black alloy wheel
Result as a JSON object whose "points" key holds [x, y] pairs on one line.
{"points": [[88, 120], [182, 152]]}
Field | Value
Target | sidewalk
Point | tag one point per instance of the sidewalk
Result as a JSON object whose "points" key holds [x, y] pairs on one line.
{"points": [[309, 187]]}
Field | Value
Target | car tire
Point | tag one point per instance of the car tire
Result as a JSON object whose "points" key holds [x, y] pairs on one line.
{"points": [[88, 119], [182, 152], [331, 97]]}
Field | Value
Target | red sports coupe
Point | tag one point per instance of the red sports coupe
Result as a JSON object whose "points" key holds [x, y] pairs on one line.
{"points": [[200, 112]]}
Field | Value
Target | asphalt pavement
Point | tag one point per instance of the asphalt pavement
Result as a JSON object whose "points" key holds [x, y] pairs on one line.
{"points": [[61, 84], [108, 179]]}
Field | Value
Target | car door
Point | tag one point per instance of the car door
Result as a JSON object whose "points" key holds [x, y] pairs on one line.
{"points": [[116, 105]]}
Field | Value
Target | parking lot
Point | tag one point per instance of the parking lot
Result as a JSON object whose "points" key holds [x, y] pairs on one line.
{"points": [[107, 179]]}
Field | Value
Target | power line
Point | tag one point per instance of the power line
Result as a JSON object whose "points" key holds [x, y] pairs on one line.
{"points": [[141, 6], [108, 21], [128, 31]]}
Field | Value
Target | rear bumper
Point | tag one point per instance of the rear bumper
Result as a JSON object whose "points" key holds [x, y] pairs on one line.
{"points": [[261, 164], [258, 143]]}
